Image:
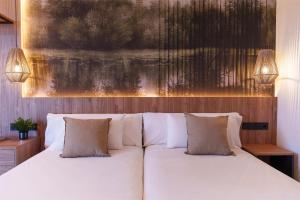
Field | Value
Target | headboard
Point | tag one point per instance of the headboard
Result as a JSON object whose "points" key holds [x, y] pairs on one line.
{"points": [[253, 109]]}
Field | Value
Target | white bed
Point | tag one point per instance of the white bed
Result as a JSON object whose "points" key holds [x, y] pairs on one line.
{"points": [[49, 177], [171, 174]]}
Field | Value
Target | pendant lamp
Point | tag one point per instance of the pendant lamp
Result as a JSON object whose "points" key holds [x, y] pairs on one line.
{"points": [[265, 71], [17, 69]]}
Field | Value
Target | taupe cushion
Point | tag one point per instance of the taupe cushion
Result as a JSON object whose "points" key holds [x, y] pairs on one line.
{"points": [[207, 135], [86, 138]]}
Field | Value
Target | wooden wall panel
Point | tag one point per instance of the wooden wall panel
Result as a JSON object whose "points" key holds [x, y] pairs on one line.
{"points": [[7, 9], [253, 109], [12, 105]]}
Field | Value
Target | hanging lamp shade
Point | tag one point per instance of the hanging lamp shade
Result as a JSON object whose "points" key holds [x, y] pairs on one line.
{"points": [[17, 69], [265, 71]]}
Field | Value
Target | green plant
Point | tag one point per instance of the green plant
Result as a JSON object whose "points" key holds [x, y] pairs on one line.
{"points": [[23, 126]]}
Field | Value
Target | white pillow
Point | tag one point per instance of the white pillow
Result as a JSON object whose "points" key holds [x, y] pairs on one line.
{"points": [[133, 130], [55, 127], [177, 131], [155, 128], [235, 121], [55, 131]]}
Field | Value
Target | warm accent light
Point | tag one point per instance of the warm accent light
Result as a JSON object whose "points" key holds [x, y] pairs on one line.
{"points": [[17, 69], [265, 71]]}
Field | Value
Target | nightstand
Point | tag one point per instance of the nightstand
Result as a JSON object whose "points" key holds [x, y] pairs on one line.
{"points": [[14, 152], [279, 158]]}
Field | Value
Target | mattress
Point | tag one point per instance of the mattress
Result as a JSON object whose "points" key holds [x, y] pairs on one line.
{"points": [[171, 174], [46, 176]]}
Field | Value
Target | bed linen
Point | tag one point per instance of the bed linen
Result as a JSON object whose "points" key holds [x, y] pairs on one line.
{"points": [[46, 176], [171, 174]]}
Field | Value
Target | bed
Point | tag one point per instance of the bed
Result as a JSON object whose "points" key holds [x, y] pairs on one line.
{"points": [[163, 171], [171, 174], [49, 177]]}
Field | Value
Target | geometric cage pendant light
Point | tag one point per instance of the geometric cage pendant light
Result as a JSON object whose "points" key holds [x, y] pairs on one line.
{"points": [[17, 69], [265, 71]]}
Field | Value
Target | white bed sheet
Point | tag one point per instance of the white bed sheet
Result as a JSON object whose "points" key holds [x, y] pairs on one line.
{"points": [[171, 174], [49, 177]]}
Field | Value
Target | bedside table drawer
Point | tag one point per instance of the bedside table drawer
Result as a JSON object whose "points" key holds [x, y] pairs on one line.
{"points": [[4, 168], [7, 157]]}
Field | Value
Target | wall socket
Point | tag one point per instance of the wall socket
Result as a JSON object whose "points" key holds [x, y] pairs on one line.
{"points": [[255, 126]]}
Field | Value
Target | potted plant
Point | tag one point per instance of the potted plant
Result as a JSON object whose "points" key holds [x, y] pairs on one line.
{"points": [[23, 126]]}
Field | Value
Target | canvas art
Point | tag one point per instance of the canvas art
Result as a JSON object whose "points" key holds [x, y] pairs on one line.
{"points": [[96, 48]]}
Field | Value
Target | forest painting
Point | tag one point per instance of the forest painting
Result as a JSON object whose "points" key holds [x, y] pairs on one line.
{"points": [[95, 48]]}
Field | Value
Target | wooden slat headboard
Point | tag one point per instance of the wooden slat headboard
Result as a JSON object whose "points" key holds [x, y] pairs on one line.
{"points": [[253, 109]]}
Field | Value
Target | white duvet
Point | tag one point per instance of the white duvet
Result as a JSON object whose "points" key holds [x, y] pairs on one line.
{"points": [[171, 174], [49, 177]]}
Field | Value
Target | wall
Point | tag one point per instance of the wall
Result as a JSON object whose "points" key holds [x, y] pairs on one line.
{"points": [[12, 105], [7, 8], [288, 84]]}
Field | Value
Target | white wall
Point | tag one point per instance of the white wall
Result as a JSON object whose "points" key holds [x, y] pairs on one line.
{"points": [[288, 83]]}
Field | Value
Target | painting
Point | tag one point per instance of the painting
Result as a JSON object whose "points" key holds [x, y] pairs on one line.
{"points": [[103, 48]]}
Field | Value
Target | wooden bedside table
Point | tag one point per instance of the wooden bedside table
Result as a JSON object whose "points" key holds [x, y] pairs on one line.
{"points": [[279, 158], [14, 152]]}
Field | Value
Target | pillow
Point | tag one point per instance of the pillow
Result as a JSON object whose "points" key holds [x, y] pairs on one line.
{"points": [[55, 127], [133, 129], [55, 131], [85, 138], [233, 126], [177, 132], [207, 135], [155, 128]]}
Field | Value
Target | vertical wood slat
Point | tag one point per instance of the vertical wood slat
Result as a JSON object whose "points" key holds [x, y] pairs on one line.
{"points": [[7, 9]]}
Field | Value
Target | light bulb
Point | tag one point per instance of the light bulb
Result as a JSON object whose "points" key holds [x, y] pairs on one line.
{"points": [[265, 70], [17, 68]]}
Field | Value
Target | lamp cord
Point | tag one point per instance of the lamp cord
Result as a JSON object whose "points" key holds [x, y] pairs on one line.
{"points": [[16, 23]]}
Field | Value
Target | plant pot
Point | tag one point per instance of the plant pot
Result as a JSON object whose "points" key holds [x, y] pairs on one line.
{"points": [[23, 136]]}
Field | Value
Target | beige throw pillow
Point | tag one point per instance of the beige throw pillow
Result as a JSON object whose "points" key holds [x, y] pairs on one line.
{"points": [[86, 138], [207, 135]]}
